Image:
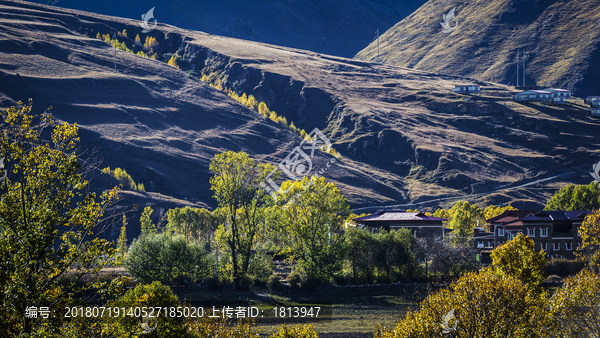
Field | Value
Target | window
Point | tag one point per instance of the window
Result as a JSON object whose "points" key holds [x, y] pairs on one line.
{"points": [[578, 233], [479, 244], [543, 232], [531, 232], [544, 246], [500, 231], [556, 246], [490, 244], [569, 246]]}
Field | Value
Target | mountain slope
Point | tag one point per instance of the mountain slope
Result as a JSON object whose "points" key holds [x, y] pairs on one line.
{"points": [[405, 138], [325, 26], [561, 39]]}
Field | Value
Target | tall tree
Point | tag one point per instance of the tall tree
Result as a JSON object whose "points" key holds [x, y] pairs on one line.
{"points": [[146, 223], [576, 197], [50, 224], [590, 239], [236, 187], [311, 214], [463, 218], [122, 242]]}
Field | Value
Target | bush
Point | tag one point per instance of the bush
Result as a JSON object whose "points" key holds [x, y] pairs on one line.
{"points": [[148, 296], [294, 279], [564, 267], [166, 258], [298, 331], [274, 282]]}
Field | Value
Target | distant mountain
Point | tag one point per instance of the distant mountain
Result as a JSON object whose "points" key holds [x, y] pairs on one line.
{"points": [[561, 39], [325, 26]]}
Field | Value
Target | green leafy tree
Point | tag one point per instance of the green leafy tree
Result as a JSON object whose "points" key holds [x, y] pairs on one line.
{"points": [[390, 251], [590, 239], [360, 253], [463, 218], [310, 214], [517, 258], [236, 186], [164, 257], [193, 223], [50, 224], [146, 223], [576, 197]]}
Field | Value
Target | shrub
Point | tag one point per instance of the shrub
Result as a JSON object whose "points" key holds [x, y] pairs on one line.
{"points": [[122, 176], [298, 331], [207, 326], [294, 279], [274, 282], [146, 296], [165, 258]]}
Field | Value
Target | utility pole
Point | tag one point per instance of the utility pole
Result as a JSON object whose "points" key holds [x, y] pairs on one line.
{"points": [[524, 68], [115, 45], [377, 50], [517, 68]]}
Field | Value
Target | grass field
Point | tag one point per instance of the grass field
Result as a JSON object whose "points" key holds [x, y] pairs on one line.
{"points": [[348, 312]]}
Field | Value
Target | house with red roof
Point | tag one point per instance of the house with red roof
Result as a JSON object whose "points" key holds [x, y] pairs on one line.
{"points": [[420, 224]]}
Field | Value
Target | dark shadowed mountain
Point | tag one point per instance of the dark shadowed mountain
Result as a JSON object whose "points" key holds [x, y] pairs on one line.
{"points": [[561, 39], [326, 26]]}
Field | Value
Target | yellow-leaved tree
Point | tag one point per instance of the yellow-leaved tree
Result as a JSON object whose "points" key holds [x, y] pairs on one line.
{"points": [[590, 240]]}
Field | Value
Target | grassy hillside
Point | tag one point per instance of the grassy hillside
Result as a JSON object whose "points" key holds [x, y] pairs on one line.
{"points": [[325, 26], [405, 138], [561, 39]]}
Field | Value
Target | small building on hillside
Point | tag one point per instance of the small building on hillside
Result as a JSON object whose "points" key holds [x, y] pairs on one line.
{"points": [[595, 111], [559, 95], [483, 239], [591, 100], [419, 224], [534, 95], [467, 89]]}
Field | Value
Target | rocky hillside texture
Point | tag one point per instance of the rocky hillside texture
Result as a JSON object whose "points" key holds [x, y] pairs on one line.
{"points": [[561, 39], [326, 26], [404, 138]]}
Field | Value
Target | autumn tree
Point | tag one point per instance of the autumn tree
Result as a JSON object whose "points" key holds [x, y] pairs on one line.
{"points": [[575, 305], [242, 201], [50, 223], [576, 197], [360, 253], [590, 239], [310, 215], [517, 258], [480, 304], [493, 210]]}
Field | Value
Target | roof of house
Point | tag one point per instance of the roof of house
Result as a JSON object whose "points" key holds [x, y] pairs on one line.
{"points": [[550, 216], [396, 215], [467, 85], [509, 216], [534, 92], [593, 97], [557, 90]]}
